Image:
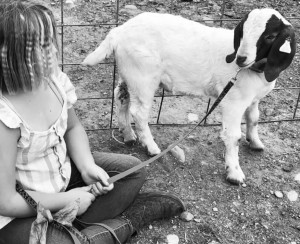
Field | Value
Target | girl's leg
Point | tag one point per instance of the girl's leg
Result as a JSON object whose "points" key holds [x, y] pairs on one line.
{"points": [[125, 190], [106, 208], [121, 228], [18, 232]]}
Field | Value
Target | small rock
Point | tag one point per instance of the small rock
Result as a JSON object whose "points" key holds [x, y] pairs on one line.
{"points": [[178, 153], [216, 8], [70, 3], [244, 185], [130, 11], [208, 21], [297, 177], [204, 163], [214, 242], [172, 239], [142, 3], [193, 117], [215, 209], [288, 167], [229, 14], [236, 204], [161, 10], [150, 227], [278, 194], [186, 216], [268, 111], [131, 7], [292, 196], [197, 220]]}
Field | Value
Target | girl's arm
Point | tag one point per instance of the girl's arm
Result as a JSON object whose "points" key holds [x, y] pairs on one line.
{"points": [[77, 143], [11, 203], [79, 150]]}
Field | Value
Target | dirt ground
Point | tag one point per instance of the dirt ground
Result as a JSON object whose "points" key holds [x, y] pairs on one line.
{"points": [[223, 213]]}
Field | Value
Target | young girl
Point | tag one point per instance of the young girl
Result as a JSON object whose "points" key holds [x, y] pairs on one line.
{"points": [[44, 147]]}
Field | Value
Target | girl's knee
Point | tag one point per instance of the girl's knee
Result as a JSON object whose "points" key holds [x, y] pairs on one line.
{"points": [[141, 173]]}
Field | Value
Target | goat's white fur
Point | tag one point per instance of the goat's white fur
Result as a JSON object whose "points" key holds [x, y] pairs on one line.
{"points": [[153, 49]]}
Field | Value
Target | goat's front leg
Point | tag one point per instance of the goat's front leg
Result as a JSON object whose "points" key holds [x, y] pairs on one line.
{"points": [[251, 116], [231, 134], [122, 98], [140, 113]]}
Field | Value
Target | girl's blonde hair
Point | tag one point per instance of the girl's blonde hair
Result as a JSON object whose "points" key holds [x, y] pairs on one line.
{"points": [[27, 36]]}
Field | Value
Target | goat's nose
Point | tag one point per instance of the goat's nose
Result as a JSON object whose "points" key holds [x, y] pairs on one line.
{"points": [[240, 60]]}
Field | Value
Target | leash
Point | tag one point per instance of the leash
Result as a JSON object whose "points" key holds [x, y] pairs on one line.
{"points": [[143, 164]]}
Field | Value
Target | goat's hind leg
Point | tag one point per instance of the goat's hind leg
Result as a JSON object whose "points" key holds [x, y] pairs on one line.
{"points": [[122, 98], [251, 116], [140, 108]]}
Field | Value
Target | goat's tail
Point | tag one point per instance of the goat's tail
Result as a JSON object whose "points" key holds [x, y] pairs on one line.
{"points": [[103, 51]]}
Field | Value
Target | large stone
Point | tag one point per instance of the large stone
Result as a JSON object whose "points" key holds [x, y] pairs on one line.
{"points": [[278, 194], [292, 196], [178, 153], [172, 239], [297, 177], [186, 216]]}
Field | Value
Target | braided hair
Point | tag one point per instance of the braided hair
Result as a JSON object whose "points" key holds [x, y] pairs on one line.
{"points": [[27, 36]]}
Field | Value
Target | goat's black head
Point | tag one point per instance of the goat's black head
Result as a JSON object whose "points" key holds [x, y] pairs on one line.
{"points": [[266, 39]]}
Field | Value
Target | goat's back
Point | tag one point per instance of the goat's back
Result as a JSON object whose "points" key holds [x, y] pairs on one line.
{"points": [[173, 49]]}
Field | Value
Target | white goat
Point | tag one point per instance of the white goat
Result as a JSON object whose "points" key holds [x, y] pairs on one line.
{"points": [[154, 49]]}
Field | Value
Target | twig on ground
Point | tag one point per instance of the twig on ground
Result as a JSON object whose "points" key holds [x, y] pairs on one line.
{"points": [[195, 181], [113, 136]]}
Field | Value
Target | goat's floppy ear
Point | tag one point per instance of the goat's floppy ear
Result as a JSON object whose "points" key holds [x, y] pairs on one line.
{"points": [[238, 35], [281, 54]]}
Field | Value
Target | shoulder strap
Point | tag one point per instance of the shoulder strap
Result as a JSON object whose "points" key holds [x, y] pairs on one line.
{"points": [[56, 91], [33, 204]]}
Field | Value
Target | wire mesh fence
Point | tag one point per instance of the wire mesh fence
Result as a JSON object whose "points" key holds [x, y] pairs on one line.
{"points": [[288, 86]]}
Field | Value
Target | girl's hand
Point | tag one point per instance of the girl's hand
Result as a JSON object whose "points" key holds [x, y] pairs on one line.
{"points": [[85, 196], [97, 178]]}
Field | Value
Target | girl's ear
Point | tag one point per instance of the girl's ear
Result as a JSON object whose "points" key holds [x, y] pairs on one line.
{"points": [[281, 54], [238, 35]]}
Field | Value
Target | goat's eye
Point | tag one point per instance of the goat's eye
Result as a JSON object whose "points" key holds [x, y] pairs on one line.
{"points": [[270, 37]]}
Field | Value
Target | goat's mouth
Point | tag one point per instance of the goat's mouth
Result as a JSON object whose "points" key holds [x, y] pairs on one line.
{"points": [[259, 66], [245, 66]]}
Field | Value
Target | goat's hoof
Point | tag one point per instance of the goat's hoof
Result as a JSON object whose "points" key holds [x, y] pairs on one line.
{"points": [[256, 145], [129, 138], [130, 142], [153, 151], [235, 176]]}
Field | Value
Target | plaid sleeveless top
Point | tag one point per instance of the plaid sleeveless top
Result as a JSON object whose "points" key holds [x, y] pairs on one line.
{"points": [[42, 161]]}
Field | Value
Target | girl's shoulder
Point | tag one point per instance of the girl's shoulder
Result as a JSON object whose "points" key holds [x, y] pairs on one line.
{"points": [[65, 85], [7, 114]]}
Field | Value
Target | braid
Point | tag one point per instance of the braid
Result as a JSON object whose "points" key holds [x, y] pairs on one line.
{"points": [[27, 36]]}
